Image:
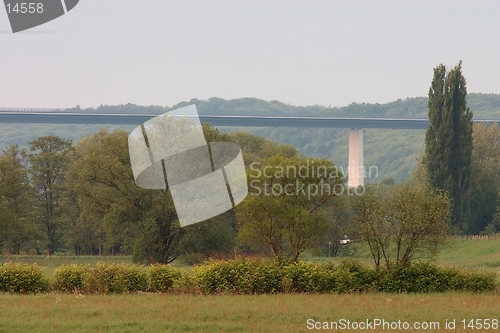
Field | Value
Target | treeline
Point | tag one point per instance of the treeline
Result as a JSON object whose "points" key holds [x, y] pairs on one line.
{"points": [[483, 106], [81, 199]]}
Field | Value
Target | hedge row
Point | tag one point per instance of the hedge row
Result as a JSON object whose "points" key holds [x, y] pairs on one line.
{"points": [[243, 276], [250, 277]]}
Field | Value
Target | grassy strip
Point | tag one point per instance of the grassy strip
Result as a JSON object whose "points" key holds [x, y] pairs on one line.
{"points": [[230, 313]]}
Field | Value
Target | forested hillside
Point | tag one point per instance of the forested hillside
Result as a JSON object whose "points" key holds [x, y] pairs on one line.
{"points": [[393, 152]]}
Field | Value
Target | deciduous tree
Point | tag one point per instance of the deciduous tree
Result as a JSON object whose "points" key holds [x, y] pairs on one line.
{"points": [[16, 224], [48, 159], [411, 223], [284, 209]]}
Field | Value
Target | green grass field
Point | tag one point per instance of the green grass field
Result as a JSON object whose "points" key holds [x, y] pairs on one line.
{"points": [[250, 313], [472, 253], [255, 313]]}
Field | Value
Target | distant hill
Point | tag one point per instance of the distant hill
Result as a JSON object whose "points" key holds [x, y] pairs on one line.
{"points": [[393, 152]]}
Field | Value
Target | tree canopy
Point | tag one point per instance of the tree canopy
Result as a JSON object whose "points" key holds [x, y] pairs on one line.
{"points": [[448, 141]]}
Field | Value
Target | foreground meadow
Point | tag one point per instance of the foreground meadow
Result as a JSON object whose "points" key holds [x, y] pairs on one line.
{"points": [[168, 312], [229, 313]]}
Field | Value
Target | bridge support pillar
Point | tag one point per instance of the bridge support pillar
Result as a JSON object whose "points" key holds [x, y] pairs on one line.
{"points": [[356, 169]]}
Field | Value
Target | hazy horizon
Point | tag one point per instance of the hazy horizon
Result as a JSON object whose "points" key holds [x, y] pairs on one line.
{"points": [[328, 53]]}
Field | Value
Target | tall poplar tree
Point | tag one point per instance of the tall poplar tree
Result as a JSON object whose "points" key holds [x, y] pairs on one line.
{"points": [[448, 139]]}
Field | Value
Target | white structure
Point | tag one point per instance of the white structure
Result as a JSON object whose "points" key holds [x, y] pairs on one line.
{"points": [[356, 169], [170, 151]]}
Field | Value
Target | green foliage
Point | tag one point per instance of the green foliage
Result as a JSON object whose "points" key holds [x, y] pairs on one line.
{"points": [[485, 178], [412, 222], [283, 211], [425, 278], [225, 276], [17, 227], [347, 277], [162, 277], [115, 278], [22, 278], [119, 278], [185, 283], [243, 276], [448, 141], [213, 238], [474, 282], [240, 276], [142, 221], [71, 278], [49, 159]]}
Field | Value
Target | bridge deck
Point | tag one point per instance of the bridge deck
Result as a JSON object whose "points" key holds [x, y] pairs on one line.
{"points": [[217, 120]]}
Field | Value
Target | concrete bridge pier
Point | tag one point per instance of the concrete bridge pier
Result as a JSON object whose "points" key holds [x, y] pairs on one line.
{"points": [[356, 168]]}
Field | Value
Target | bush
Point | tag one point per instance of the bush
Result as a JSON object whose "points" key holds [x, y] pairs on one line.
{"points": [[223, 276], [240, 276], [22, 278], [115, 279], [347, 277], [267, 277], [425, 278], [185, 283], [304, 277], [161, 277], [474, 282], [71, 278]]}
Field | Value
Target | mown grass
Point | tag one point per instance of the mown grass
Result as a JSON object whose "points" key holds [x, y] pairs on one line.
{"points": [[229, 313], [471, 253]]}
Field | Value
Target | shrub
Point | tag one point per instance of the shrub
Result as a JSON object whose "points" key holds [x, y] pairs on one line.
{"points": [[115, 278], [220, 276], [294, 277], [71, 278], [161, 277], [474, 282], [426, 277], [136, 279], [266, 277], [240, 276], [185, 283], [22, 278], [347, 277]]}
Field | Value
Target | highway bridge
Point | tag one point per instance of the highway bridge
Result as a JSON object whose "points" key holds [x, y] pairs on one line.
{"points": [[216, 120]]}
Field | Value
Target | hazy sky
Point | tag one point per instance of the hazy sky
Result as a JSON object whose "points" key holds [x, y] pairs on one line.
{"points": [[152, 52]]}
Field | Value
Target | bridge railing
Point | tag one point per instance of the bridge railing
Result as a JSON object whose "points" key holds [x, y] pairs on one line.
{"points": [[31, 109]]}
